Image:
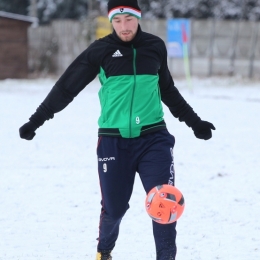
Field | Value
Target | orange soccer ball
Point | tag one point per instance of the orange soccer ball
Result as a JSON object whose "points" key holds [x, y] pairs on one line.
{"points": [[164, 204]]}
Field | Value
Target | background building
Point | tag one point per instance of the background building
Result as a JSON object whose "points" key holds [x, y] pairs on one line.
{"points": [[14, 45]]}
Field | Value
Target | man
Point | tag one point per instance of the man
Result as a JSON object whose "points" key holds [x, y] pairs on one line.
{"points": [[132, 68]]}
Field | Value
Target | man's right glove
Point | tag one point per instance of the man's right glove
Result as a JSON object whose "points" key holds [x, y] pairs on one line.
{"points": [[27, 131]]}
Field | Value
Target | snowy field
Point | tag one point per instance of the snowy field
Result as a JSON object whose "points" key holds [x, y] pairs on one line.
{"points": [[49, 188]]}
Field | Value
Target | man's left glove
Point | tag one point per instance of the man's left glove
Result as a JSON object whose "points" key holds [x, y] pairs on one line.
{"points": [[202, 129]]}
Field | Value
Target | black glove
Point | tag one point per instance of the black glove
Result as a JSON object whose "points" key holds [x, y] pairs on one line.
{"points": [[27, 131], [202, 129]]}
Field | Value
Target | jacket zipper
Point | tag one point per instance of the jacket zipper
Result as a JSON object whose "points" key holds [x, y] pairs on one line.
{"points": [[132, 100]]}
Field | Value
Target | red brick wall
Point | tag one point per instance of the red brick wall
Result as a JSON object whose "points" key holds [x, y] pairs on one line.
{"points": [[13, 48]]}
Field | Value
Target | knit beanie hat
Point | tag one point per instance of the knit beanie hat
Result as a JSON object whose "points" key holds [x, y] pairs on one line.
{"points": [[115, 7]]}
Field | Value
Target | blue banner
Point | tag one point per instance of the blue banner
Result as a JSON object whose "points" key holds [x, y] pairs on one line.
{"points": [[178, 34]]}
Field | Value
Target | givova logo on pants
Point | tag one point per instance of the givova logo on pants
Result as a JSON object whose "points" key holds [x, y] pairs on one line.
{"points": [[172, 172], [106, 159]]}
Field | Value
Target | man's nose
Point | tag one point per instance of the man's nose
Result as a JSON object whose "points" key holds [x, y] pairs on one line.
{"points": [[124, 25]]}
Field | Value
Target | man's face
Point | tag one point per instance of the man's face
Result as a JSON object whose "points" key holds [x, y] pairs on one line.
{"points": [[125, 26]]}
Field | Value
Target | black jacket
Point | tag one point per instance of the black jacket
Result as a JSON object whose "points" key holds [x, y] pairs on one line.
{"points": [[150, 60]]}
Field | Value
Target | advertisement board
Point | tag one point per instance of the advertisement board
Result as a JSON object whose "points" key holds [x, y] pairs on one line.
{"points": [[178, 35]]}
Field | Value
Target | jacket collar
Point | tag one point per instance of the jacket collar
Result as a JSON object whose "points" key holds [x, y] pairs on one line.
{"points": [[134, 42]]}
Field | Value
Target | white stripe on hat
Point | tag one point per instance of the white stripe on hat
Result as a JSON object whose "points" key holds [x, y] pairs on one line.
{"points": [[124, 10]]}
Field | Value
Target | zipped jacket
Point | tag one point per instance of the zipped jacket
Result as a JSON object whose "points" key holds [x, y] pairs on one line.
{"points": [[134, 79]]}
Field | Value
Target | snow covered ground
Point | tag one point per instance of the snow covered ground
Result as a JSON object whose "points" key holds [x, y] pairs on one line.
{"points": [[49, 188]]}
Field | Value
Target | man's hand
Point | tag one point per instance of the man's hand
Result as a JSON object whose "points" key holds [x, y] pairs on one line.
{"points": [[27, 131], [202, 129]]}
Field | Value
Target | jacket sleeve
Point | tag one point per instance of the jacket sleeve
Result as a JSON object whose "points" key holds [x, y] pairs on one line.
{"points": [[79, 74], [170, 95]]}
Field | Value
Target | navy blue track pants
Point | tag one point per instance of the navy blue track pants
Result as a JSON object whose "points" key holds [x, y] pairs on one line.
{"points": [[119, 159]]}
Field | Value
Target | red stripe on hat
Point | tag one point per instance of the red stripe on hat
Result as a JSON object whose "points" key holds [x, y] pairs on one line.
{"points": [[118, 7]]}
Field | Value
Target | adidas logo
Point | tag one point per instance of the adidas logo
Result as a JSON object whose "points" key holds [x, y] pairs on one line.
{"points": [[117, 54]]}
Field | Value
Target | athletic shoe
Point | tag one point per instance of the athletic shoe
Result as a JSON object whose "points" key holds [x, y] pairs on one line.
{"points": [[104, 256]]}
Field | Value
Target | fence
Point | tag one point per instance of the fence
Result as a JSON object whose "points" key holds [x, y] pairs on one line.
{"points": [[217, 47], [54, 47], [225, 47]]}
